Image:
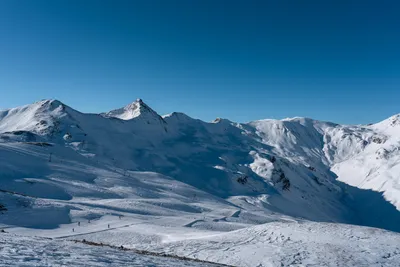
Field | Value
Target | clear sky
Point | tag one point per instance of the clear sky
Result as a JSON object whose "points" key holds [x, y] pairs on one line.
{"points": [[243, 60]]}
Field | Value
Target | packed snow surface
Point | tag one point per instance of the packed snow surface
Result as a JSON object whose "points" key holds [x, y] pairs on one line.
{"points": [[33, 251], [292, 192]]}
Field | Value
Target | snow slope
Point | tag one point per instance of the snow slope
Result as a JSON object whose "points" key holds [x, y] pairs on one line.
{"points": [[377, 165], [173, 183], [277, 244], [29, 251]]}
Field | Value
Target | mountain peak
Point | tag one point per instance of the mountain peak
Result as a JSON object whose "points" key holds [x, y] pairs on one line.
{"points": [[131, 111], [38, 117]]}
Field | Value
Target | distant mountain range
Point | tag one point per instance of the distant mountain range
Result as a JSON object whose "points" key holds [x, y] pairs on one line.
{"points": [[132, 160]]}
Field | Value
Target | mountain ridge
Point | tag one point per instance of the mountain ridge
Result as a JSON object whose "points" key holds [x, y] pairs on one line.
{"points": [[298, 153], [300, 140]]}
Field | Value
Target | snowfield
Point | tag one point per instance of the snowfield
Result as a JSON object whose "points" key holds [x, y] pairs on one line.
{"points": [[28, 251], [272, 244], [292, 192]]}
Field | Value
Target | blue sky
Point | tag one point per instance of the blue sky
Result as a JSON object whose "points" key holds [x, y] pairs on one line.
{"points": [[242, 60]]}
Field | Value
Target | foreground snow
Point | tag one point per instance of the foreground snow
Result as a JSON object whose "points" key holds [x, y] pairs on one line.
{"points": [[33, 251], [272, 244], [295, 244]]}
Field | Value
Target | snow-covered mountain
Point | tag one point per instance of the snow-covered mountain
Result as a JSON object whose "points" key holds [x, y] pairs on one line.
{"points": [[137, 109], [61, 166]]}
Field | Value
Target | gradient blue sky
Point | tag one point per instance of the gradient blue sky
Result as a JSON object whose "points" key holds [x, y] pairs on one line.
{"points": [[242, 60]]}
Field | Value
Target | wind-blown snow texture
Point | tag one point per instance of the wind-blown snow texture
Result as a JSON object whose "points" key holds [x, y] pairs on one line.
{"points": [[27, 251], [168, 183]]}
